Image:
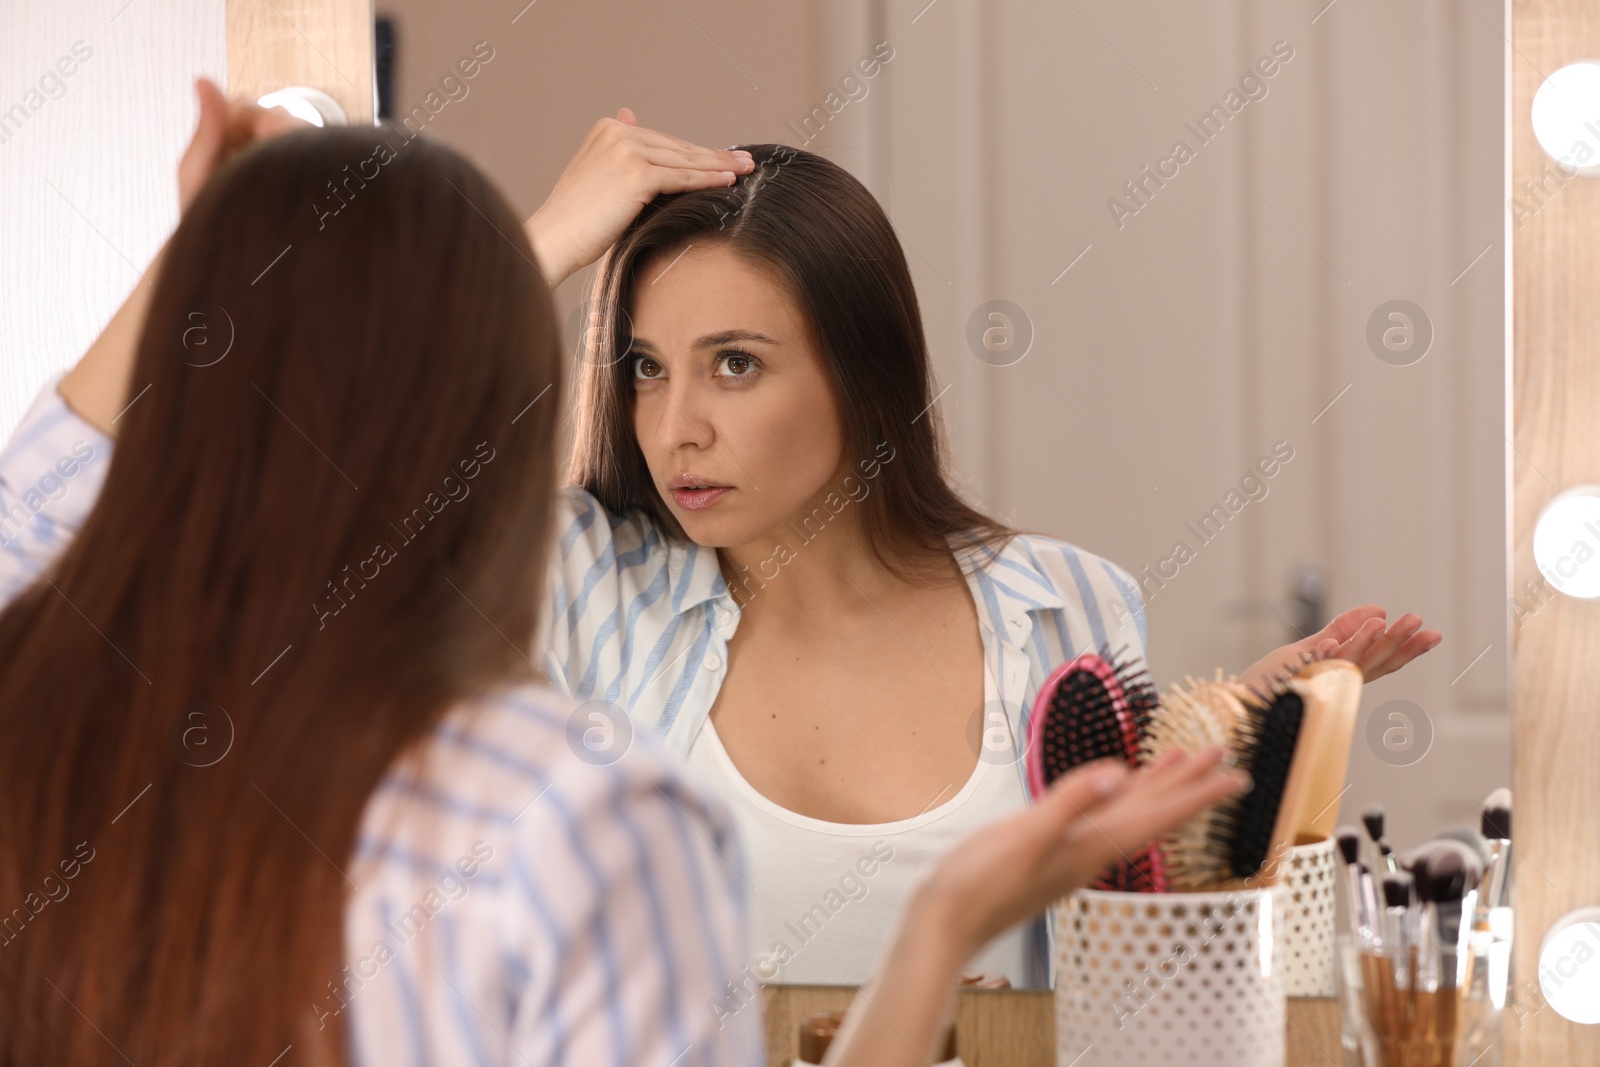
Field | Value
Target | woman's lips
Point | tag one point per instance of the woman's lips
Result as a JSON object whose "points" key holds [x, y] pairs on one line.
{"points": [[700, 499]]}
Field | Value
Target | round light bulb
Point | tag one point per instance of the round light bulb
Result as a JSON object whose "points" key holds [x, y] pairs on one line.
{"points": [[1566, 542], [1569, 966], [311, 105], [1566, 117]]}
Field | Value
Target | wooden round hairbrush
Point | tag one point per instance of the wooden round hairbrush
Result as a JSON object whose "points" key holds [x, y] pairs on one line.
{"points": [[1091, 708]]}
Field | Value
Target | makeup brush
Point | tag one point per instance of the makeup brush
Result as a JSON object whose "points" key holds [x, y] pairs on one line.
{"points": [[1399, 893], [1361, 920], [1456, 872], [1469, 837], [1450, 870], [1494, 890], [1491, 917], [1369, 895], [1372, 818], [1094, 707], [1391, 967], [1426, 967]]}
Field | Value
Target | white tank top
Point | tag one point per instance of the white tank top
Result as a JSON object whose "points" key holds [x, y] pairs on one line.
{"points": [[826, 895]]}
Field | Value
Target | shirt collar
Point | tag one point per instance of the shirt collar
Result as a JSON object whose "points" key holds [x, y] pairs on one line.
{"points": [[693, 576], [1007, 582]]}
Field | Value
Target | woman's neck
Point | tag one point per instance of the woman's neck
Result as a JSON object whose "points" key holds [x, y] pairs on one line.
{"points": [[819, 565]]}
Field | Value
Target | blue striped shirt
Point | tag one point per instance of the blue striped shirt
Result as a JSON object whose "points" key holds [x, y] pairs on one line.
{"points": [[519, 896], [641, 622]]}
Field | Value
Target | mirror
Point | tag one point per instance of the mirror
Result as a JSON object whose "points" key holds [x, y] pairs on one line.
{"points": [[1213, 292]]}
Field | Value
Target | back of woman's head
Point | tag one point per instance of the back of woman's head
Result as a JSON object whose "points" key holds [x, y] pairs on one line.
{"points": [[323, 524], [820, 233]]}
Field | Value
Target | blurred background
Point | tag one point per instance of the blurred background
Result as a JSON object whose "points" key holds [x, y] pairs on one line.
{"points": [[1127, 334]]}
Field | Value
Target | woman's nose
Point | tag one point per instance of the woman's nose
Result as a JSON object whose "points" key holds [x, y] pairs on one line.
{"points": [[680, 419]]}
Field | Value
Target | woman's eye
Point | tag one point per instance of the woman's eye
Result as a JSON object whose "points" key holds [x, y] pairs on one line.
{"points": [[737, 364], [646, 368]]}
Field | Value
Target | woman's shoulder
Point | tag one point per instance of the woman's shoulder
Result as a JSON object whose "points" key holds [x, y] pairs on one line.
{"points": [[526, 778], [588, 535], [1062, 566], [531, 838], [497, 751], [581, 517], [1048, 574]]}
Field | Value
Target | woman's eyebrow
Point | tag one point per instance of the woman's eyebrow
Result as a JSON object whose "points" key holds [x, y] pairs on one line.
{"points": [[711, 340]]}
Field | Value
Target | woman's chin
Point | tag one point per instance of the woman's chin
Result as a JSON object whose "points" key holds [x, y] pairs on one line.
{"points": [[711, 530]]}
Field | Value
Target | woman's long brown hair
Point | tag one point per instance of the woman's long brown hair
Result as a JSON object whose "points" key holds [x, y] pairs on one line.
{"points": [[821, 235], [199, 696]]}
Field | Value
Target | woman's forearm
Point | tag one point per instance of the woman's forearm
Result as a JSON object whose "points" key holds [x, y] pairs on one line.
{"points": [[900, 1016], [553, 261], [97, 388]]}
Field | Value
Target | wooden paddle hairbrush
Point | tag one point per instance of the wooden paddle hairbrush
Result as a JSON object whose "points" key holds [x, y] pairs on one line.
{"points": [[1096, 707], [1292, 738], [1336, 684]]}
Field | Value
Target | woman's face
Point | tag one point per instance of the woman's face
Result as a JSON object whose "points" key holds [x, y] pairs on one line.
{"points": [[732, 406]]}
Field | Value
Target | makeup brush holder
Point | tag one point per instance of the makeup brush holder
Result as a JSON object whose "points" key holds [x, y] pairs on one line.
{"points": [[1460, 1027], [1309, 874], [1196, 979]]}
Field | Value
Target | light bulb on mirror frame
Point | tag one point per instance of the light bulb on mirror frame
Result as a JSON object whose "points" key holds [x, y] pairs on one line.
{"points": [[1566, 117], [1569, 966], [1566, 542], [311, 105]]}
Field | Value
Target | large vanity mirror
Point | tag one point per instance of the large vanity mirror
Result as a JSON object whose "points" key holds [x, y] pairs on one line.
{"points": [[1213, 292]]}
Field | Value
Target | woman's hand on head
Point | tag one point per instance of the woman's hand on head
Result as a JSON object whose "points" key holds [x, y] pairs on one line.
{"points": [[620, 167], [1089, 819], [225, 126], [1360, 635]]}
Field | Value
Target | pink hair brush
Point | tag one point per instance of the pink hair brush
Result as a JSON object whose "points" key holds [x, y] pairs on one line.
{"points": [[1092, 708]]}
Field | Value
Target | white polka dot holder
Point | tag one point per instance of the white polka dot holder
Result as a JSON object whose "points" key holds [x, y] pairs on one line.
{"points": [[1196, 979], [1310, 927]]}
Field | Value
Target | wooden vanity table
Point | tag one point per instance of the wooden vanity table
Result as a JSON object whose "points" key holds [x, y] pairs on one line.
{"points": [[1017, 1028]]}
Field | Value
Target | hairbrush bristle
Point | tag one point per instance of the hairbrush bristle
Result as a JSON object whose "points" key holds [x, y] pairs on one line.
{"points": [[1097, 707], [1349, 839], [1398, 889], [1188, 720], [1497, 815], [1243, 831], [1232, 839], [1192, 717], [1372, 819]]}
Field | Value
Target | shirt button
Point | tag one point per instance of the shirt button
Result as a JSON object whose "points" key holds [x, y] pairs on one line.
{"points": [[711, 663]]}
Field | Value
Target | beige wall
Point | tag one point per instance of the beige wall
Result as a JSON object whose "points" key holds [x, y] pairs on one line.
{"points": [[563, 65]]}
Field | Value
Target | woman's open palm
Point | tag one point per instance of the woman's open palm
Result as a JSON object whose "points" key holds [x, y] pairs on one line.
{"points": [[1360, 635], [1090, 818]]}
